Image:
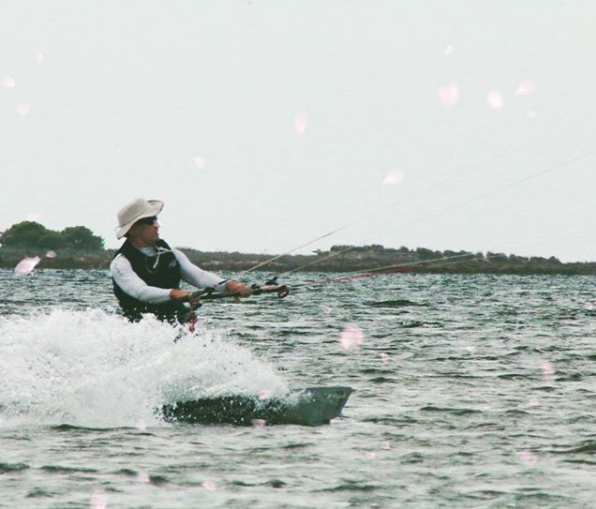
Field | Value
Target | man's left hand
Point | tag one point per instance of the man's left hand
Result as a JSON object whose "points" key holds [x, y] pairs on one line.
{"points": [[237, 287]]}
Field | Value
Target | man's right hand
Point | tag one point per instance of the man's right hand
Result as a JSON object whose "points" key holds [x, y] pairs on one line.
{"points": [[184, 296], [176, 294]]}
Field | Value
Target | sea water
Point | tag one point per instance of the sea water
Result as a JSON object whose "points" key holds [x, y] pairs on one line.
{"points": [[470, 391]]}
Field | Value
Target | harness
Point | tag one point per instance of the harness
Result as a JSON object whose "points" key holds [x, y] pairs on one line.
{"points": [[162, 271]]}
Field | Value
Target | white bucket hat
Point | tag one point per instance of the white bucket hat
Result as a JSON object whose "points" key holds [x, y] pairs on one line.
{"points": [[135, 210]]}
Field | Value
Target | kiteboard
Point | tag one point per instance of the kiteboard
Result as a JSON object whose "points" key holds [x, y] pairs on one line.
{"points": [[308, 407]]}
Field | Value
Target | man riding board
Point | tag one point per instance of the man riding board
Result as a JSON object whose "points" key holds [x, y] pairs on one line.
{"points": [[146, 272]]}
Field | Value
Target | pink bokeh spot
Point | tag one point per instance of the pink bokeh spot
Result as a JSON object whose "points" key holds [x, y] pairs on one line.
{"points": [[259, 423], [548, 371], [26, 265], [8, 82], [99, 500], [351, 337], [143, 478], [24, 109], [526, 88], [200, 162], [494, 99], [208, 485], [265, 394], [589, 306], [449, 95], [39, 58], [532, 115], [529, 459], [448, 51], [393, 178], [384, 357], [51, 254], [300, 122], [370, 455], [141, 425], [534, 402]]}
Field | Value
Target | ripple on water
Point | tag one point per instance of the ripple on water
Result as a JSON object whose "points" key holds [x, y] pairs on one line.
{"points": [[13, 467]]}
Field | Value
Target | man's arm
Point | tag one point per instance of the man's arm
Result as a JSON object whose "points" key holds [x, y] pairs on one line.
{"points": [[200, 278]]}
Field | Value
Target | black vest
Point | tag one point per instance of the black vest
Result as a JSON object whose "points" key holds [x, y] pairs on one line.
{"points": [[162, 271]]}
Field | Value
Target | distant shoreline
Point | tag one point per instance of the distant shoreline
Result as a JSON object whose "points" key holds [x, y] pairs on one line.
{"points": [[338, 259], [77, 247]]}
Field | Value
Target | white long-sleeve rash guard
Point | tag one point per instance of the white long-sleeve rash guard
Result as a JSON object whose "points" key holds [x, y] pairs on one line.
{"points": [[133, 285]]}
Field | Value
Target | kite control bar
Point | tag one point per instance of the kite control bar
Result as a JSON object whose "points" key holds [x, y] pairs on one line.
{"points": [[270, 286]]}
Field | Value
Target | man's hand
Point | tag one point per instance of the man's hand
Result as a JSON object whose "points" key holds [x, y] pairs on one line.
{"points": [[184, 296], [237, 287]]}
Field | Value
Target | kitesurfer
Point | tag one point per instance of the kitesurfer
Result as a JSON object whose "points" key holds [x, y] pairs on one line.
{"points": [[147, 272]]}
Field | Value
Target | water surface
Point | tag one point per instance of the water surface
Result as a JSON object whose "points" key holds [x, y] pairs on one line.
{"points": [[471, 391]]}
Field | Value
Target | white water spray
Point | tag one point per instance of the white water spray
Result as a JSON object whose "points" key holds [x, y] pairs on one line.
{"points": [[98, 370]]}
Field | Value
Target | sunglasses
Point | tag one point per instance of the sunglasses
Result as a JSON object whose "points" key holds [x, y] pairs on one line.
{"points": [[148, 221]]}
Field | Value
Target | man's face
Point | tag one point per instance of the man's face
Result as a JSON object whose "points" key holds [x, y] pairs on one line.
{"points": [[146, 230]]}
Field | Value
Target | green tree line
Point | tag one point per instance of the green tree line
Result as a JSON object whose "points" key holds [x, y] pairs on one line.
{"points": [[32, 235]]}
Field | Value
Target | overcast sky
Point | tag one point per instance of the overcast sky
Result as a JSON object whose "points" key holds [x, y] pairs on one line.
{"points": [[265, 124]]}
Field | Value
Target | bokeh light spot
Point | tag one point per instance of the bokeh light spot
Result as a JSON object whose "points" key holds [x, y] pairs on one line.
{"points": [[449, 95], [529, 459], [351, 337], [300, 122], [200, 162], [393, 178], [99, 500], [548, 371], [526, 88], [494, 99], [448, 51], [24, 109], [143, 478], [8, 82]]}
